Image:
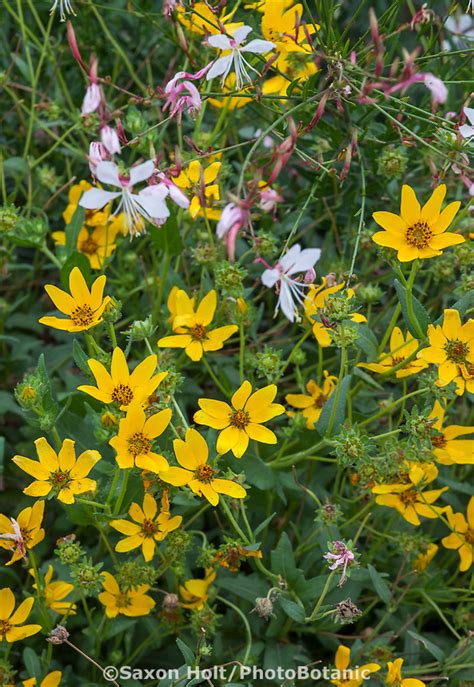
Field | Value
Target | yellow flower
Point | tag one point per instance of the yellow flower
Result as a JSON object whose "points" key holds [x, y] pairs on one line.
{"points": [[134, 440], [12, 628], [55, 593], [23, 533], [132, 602], [418, 232], [242, 421], [147, 527], [447, 449], [195, 592], [282, 24], [192, 327], [51, 680], [461, 538], [203, 20], [349, 677], [408, 497], [422, 561], [401, 348], [62, 472], [292, 65], [452, 349], [316, 301], [192, 454], [83, 308], [231, 555], [119, 386], [394, 677], [97, 244], [199, 182], [313, 402], [179, 303]]}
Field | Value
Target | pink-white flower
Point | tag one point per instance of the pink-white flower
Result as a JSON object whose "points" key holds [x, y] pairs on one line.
{"points": [[439, 92], [174, 192], [233, 218], [291, 290], [148, 203], [182, 94], [341, 557], [110, 140], [92, 99], [17, 537], [467, 130], [223, 65], [269, 199], [65, 7], [97, 153]]}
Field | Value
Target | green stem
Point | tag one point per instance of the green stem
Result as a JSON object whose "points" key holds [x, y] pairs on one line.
{"points": [[214, 377], [313, 615], [410, 309]]}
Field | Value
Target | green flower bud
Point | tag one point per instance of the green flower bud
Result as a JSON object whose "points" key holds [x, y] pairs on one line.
{"points": [[392, 163], [113, 311], [87, 576], [229, 278], [68, 550], [8, 218], [370, 293], [141, 329], [48, 178], [134, 121]]}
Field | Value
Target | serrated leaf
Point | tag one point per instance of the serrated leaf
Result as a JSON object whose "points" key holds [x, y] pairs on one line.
{"points": [[80, 358], [366, 341], [420, 313], [380, 585]]}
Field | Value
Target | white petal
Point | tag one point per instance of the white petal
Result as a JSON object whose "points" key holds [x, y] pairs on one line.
{"points": [[219, 67], [466, 131], [96, 198], [241, 34], [290, 257], [141, 172], [469, 112], [107, 172], [220, 41], [178, 196], [153, 206], [258, 46], [270, 277], [307, 259], [286, 302]]}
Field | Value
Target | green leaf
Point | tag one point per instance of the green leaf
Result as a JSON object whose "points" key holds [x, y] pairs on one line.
{"points": [[258, 473], [283, 562], [292, 609], [366, 341], [188, 654], [15, 165], [379, 584], [429, 646], [32, 663], [80, 358], [75, 260], [167, 237], [263, 524], [420, 313], [73, 229], [339, 393]]}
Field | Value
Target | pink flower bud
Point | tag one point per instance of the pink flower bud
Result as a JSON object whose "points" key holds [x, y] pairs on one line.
{"points": [[92, 99], [439, 92], [97, 153], [110, 140]]}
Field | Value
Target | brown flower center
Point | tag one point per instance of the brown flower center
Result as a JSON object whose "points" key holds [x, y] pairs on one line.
{"points": [[397, 359], [123, 394], [469, 536], [149, 528], [320, 401], [456, 350], [5, 627], [60, 479], [82, 316], [408, 497], [439, 441], [419, 235], [122, 600], [198, 332], [204, 473], [139, 444], [89, 246], [240, 419]]}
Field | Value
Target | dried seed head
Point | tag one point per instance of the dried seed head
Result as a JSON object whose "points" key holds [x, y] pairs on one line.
{"points": [[170, 602], [58, 635], [264, 608], [346, 611]]}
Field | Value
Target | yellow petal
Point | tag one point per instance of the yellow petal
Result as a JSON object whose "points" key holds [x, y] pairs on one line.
{"points": [[62, 300], [392, 223], [239, 398], [409, 208], [432, 208]]}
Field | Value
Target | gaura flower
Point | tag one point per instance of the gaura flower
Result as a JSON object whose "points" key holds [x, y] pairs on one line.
{"points": [[418, 232], [131, 602], [97, 245], [202, 20], [316, 302], [192, 327], [461, 538], [24, 533], [467, 130], [92, 218], [195, 472], [233, 48], [61, 473], [195, 592], [243, 420], [401, 348], [291, 290], [340, 556], [447, 448], [423, 560], [394, 677], [313, 402], [134, 440], [231, 555], [55, 593], [65, 7], [110, 140], [12, 626], [119, 386], [351, 677], [83, 308], [50, 680], [200, 182], [451, 347], [148, 526]]}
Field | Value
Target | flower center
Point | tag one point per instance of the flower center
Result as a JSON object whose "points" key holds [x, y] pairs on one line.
{"points": [[82, 316], [439, 441], [59, 479], [5, 627], [204, 473], [123, 394], [469, 536], [408, 497], [397, 359], [139, 444], [89, 246], [198, 332], [419, 235], [240, 419], [456, 350], [149, 528], [122, 600], [320, 401]]}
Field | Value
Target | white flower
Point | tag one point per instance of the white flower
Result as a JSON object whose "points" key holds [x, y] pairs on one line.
{"points": [[92, 99], [438, 90], [467, 130], [235, 58], [291, 291], [148, 203], [65, 7], [97, 153]]}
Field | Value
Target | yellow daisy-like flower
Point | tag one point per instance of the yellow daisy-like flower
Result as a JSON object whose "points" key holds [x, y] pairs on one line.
{"points": [[192, 454], [119, 386], [243, 420], [292, 64], [461, 538], [203, 21], [316, 301], [313, 403], [349, 677], [395, 679], [148, 527], [12, 627], [62, 472], [282, 24], [200, 182], [51, 680], [422, 561], [134, 440], [447, 448], [179, 303], [192, 327], [55, 593], [97, 244], [83, 308], [401, 348], [418, 232], [195, 592], [131, 602], [23, 533], [452, 350]]}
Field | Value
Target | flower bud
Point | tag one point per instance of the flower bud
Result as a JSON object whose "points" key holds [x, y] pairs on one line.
{"points": [[110, 140], [141, 329], [8, 218]]}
